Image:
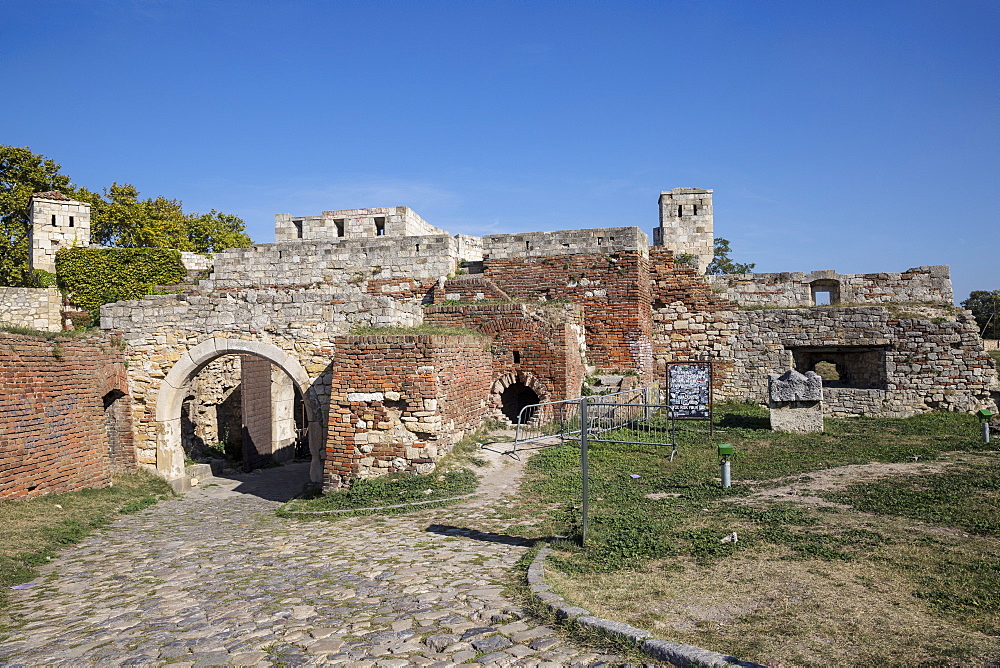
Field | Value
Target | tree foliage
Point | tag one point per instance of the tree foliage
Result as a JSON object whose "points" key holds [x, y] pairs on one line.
{"points": [[118, 218], [723, 264], [985, 306]]}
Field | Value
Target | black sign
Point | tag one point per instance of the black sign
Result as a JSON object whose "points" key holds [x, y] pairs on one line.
{"points": [[689, 389]]}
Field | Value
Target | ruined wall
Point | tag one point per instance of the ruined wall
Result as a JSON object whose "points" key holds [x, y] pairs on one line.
{"points": [[538, 345], [790, 289], [904, 364], [345, 262], [391, 221], [690, 322], [399, 403], [213, 414], [37, 308], [565, 242], [613, 289], [64, 419]]}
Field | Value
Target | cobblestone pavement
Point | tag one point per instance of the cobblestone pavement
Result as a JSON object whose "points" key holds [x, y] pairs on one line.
{"points": [[216, 578]]}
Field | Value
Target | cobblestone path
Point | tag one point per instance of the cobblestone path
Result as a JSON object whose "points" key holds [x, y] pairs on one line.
{"points": [[216, 578]]}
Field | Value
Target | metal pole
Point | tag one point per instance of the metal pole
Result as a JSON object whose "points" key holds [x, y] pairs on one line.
{"points": [[726, 482], [986, 432], [583, 470]]}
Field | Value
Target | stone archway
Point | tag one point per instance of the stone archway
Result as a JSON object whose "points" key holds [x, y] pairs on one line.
{"points": [[170, 398], [524, 381]]}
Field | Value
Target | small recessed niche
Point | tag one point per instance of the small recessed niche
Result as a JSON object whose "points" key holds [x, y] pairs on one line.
{"points": [[600, 241], [517, 357], [53, 220], [339, 222]]}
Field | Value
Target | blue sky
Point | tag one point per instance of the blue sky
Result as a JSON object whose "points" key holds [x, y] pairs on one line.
{"points": [[856, 136]]}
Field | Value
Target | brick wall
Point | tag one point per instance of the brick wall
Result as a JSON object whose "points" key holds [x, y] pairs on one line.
{"points": [[53, 432], [399, 403], [613, 289], [529, 341]]}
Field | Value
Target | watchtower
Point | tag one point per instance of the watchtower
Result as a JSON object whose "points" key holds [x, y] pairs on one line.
{"points": [[686, 224], [56, 222]]}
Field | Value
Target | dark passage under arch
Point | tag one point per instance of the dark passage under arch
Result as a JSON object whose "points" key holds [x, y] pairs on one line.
{"points": [[515, 397]]}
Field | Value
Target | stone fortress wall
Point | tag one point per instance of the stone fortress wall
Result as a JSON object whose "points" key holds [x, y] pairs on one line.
{"points": [[36, 308], [553, 306], [795, 289]]}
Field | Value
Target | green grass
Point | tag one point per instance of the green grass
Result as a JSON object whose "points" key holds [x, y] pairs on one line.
{"points": [[962, 496], [36, 529], [995, 354]]}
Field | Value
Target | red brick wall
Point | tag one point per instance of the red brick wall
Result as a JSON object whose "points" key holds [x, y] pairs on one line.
{"points": [[53, 436], [546, 344], [437, 384], [613, 289]]}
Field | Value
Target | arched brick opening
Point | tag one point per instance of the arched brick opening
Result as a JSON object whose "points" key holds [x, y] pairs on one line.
{"points": [[173, 389], [512, 391]]}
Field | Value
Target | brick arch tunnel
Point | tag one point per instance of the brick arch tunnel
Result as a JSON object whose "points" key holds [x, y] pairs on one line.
{"points": [[173, 390]]}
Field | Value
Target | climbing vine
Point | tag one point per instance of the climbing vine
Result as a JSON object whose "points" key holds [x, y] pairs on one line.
{"points": [[96, 276]]}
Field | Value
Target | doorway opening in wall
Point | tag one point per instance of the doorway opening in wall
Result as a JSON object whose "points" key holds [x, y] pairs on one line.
{"points": [[858, 367], [514, 398], [243, 413], [116, 425]]}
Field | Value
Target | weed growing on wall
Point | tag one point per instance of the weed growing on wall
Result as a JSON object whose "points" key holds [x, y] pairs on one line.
{"points": [[97, 276]]}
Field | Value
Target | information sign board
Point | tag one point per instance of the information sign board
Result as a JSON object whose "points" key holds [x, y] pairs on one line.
{"points": [[689, 389]]}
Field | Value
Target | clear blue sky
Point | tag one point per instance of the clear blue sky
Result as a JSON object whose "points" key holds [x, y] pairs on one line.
{"points": [[856, 136]]}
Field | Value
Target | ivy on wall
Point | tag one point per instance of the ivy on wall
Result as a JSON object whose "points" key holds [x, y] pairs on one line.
{"points": [[96, 276]]}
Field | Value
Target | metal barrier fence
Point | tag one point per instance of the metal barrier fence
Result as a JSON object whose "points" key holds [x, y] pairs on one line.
{"points": [[639, 410]]}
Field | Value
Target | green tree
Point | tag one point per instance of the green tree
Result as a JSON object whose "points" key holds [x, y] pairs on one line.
{"points": [[23, 173], [722, 264], [118, 218], [985, 306]]}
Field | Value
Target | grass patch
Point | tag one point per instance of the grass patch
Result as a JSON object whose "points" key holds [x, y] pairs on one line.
{"points": [[805, 584], [36, 529], [385, 491], [82, 332], [995, 354], [418, 330]]}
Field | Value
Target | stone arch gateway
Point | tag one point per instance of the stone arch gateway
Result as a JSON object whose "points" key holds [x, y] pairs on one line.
{"points": [[169, 451]]}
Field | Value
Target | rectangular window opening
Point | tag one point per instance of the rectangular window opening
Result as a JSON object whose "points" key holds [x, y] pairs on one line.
{"points": [[339, 222], [527, 245], [53, 220], [380, 227], [298, 228], [600, 241], [822, 298], [71, 220], [517, 357]]}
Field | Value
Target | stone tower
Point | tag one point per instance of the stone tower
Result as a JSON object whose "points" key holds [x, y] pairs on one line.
{"points": [[56, 222], [686, 224]]}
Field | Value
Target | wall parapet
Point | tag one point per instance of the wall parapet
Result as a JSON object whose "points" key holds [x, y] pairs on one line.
{"points": [[796, 289], [565, 242]]}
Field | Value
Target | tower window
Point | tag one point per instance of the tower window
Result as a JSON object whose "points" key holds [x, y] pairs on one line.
{"points": [[600, 241], [380, 227], [527, 245], [339, 222], [53, 220], [694, 209], [298, 228], [71, 221], [517, 357]]}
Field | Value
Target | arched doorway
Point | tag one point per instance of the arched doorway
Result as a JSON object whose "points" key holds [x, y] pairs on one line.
{"points": [[174, 390], [514, 399]]}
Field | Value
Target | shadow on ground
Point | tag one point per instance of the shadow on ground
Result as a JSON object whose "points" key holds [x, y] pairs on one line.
{"points": [[281, 483]]}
